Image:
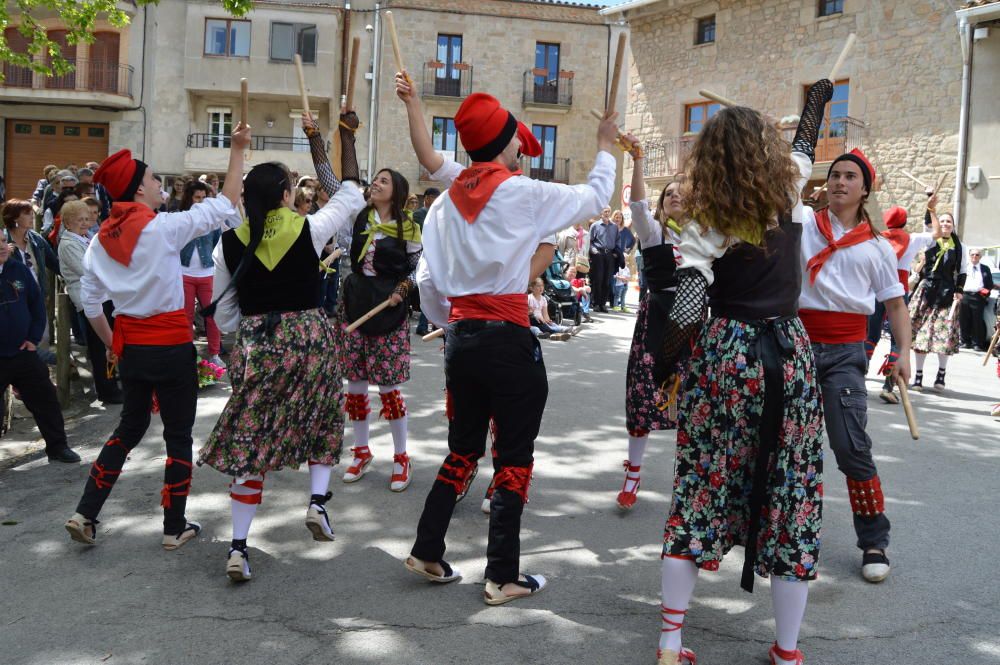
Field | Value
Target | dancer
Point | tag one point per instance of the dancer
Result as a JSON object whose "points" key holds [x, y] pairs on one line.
{"points": [[848, 268], [750, 473], [936, 298], [646, 397], [478, 245], [385, 248], [285, 406], [135, 262]]}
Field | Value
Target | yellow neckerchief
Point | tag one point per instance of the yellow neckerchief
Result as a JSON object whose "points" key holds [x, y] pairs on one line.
{"points": [[282, 228], [944, 244], [411, 231], [674, 226], [750, 234]]}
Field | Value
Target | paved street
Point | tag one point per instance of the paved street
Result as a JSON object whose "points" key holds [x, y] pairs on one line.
{"points": [[127, 601]]}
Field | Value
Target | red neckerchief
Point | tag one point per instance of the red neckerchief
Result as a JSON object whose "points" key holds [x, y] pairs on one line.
{"points": [[472, 189], [899, 239], [120, 232], [855, 236]]}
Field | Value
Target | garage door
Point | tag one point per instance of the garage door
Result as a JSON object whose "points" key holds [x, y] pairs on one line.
{"points": [[31, 144]]}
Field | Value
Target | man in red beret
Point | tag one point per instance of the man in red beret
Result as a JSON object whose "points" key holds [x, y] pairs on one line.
{"points": [[846, 267], [479, 239], [135, 262]]}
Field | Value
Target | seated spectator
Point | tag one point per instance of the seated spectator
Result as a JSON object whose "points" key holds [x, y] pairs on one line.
{"points": [[304, 199], [51, 226], [581, 290], [48, 175], [538, 315], [94, 210]]}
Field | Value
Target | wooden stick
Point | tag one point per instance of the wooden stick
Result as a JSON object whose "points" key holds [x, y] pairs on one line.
{"points": [[708, 94], [616, 73], [911, 419], [993, 345], [374, 310], [352, 72], [334, 255], [302, 85], [244, 102], [431, 336], [396, 52], [914, 178], [951, 312], [622, 142], [940, 182], [843, 56]]}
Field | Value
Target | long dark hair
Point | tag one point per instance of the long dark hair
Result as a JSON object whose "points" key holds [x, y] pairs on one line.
{"points": [[187, 196], [264, 189], [400, 192]]}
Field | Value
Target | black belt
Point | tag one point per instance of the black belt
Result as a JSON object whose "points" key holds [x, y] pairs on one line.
{"points": [[471, 326]]}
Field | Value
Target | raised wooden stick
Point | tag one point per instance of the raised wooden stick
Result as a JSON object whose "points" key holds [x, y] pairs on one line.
{"points": [[244, 102], [993, 345], [911, 419], [622, 142], [708, 94], [616, 73], [431, 336], [843, 56], [940, 182], [396, 52], [374, 310], [914, 178], [951, 312], [302, 85], [352, 71]]}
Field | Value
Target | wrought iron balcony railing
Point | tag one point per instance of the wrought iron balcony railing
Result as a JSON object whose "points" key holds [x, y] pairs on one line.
{"points": [[441, 80], [540, 87], [291, 144], [107, 76]]}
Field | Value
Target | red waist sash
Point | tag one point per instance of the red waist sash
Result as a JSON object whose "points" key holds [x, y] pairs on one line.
{"points": [[167, 329], [834, 327], [512, 307]]}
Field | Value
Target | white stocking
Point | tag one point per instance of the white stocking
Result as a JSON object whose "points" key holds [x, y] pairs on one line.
{"points": [[319, 478], [360, 427], [249, 488], [789, 598], [919, 359], [679, 577]]}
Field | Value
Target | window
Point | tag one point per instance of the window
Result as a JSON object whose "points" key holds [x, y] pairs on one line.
{"points": [[705, 34], [220, 127], [227, 38], [444, 137], [543, 167], [95, 132], [71, 131], [546, 73], [831, 7], [448, 79], [696, 115], [833, 131], [287, 39]]}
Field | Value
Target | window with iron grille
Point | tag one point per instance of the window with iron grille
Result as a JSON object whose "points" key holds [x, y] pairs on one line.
{"points": [[444, 137], [705, 33], [831, 7], [543, 167]]}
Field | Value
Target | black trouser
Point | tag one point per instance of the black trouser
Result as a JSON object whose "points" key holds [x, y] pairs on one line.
{"points": [[601, 270], [97, 354], [30, 377], [170, 371], [970, 320], [491, 370]]}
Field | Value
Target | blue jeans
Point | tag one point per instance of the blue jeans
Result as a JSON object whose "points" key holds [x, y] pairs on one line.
{"points": [[618, 297]]}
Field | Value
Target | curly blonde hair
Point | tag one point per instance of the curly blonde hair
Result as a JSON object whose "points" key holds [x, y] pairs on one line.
{"points": [[740, 175]]}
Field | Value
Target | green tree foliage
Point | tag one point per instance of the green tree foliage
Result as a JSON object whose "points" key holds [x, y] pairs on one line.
{"points": [[77, 17]]}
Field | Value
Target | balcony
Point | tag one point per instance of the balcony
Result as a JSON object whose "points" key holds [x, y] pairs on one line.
{"points": [[440, 83], [837, 137], [665, 158], [210, 152], [548, 169], [545, 93], [97, 82]]}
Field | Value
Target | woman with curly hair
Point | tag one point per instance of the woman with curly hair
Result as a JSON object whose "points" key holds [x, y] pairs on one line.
{"points": [[748, 473]]}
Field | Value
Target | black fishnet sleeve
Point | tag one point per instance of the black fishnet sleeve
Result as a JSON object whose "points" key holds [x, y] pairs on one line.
{"points": [[686, 316], [321, 161], [817, 97], [349, 124], [405, 286]]}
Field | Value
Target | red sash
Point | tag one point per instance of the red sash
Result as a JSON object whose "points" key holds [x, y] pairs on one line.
{"points": [[472, 189], [120, 232], [834, 327], [855, 236], [167, 329], [512, 307]]}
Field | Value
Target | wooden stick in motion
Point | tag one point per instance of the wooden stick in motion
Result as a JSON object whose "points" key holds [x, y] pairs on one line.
{"points": [[708, 94], [616, 73], [911, 419], [396, 52], [623, 143], [940, 182], [353, 71], [302, 85], [374, 310], [843, 56], [914, 178], [431, 336], [993, 345], [244, 102]]}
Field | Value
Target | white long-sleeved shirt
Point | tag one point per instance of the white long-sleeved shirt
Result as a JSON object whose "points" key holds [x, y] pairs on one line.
{"points": [[338, 214], [492, 255], [151, 284]]}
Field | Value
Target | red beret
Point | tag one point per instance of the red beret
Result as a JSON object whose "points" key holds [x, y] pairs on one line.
{"points": [[484, 126], [121, 175], [858, 157], [894, 217], [529, 144]]}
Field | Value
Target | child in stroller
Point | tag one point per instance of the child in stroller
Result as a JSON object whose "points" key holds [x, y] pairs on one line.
{"points": [[559, 293]]}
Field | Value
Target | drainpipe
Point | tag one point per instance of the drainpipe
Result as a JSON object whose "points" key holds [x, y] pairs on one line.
{"points": [[965, 32], [373, 104]]}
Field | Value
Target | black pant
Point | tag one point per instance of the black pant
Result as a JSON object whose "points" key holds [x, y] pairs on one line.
{"points": [[490, 371], [30, 377], [170, 371], [97, 354], [601, 270], [970, 320]]}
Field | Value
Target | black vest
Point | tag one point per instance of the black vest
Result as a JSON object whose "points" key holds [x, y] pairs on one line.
{"points": [[754, 283], [293, 285], [390, 253]]}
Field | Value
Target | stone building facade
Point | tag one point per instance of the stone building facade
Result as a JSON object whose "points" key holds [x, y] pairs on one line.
{"points": [[898, 98]]}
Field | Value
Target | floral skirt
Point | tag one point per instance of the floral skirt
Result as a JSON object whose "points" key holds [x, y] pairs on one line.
{"points": [[286, 408], [717, 443], [933, 332], [381, 360], [642, 394]]}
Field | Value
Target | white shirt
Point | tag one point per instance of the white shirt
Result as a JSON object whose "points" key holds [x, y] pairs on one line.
{"points": [[151, 284], [537, 305], [492, 255], [918, 243], [196, 268], [330, 220], [974, 278], [853, 278]]}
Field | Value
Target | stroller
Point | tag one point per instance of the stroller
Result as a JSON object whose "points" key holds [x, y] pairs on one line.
{"points": [[562, 302]]}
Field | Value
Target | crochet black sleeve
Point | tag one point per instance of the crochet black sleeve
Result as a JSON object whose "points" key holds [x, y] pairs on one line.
{"points": [[349, 124], [321, 161], [817, 97], [686, 316]]}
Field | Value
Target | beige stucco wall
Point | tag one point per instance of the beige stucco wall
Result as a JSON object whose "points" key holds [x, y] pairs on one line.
{"points": [[982, 203]]}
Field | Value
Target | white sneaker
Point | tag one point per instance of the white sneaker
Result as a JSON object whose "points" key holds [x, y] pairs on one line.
{"points": [[875, 566], [238, 566], [217, 361]]}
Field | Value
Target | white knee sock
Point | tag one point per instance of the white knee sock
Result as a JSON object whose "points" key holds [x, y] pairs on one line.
{"points": [[398, 428], [244, 512], [678, 580], [789, 598], [360, 427], [319, 478], [919, 359], [637, 449], [943, 360]]}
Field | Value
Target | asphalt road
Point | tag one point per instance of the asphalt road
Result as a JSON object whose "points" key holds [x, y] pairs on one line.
{"points": [[127, 601]]}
